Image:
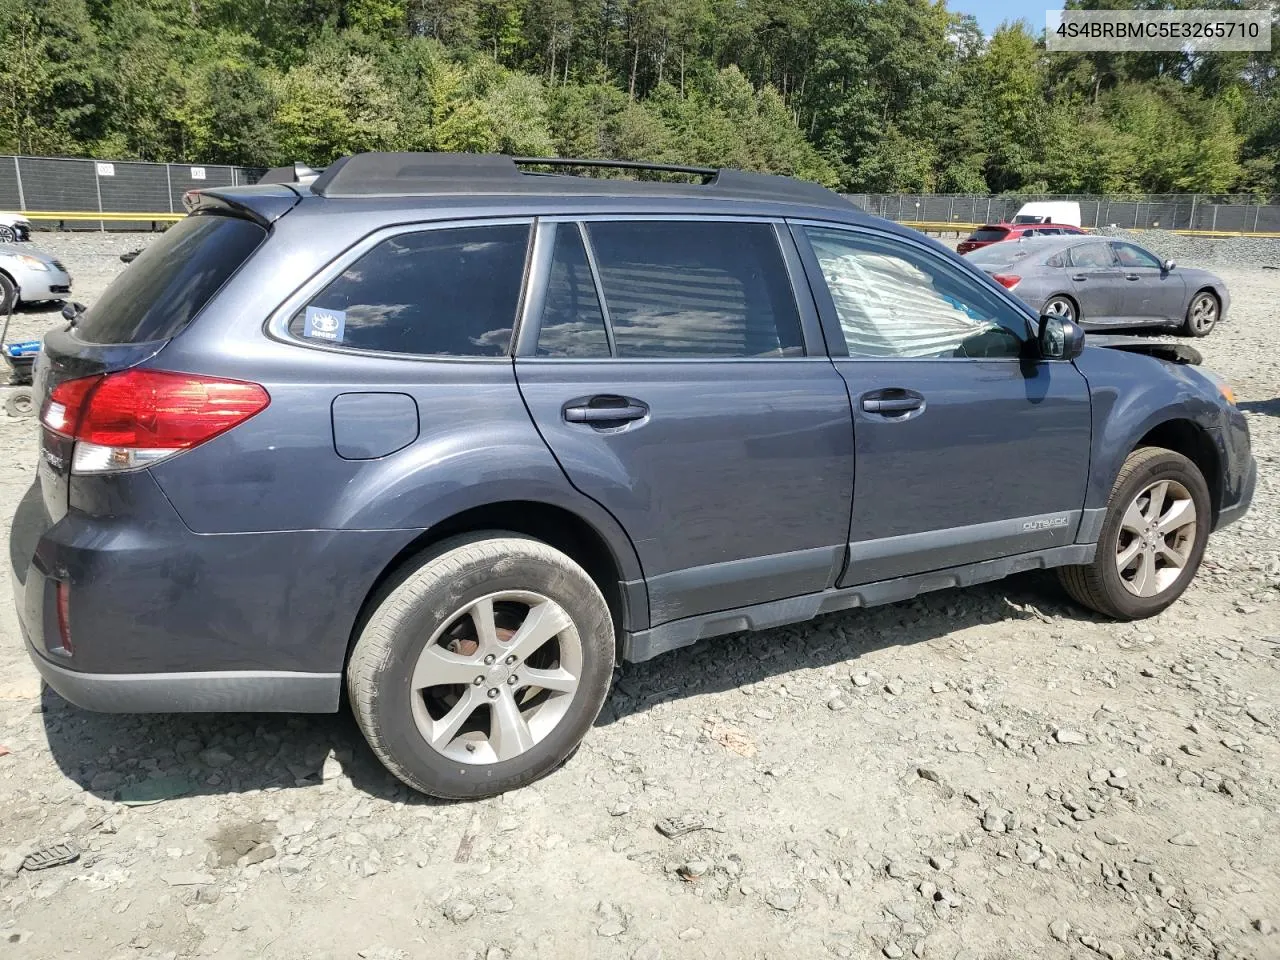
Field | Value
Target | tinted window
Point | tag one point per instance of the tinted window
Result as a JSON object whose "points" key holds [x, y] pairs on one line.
{"points": [[991, 234], [161, 291], [1091, 255], [690, 289], [572, 321], [893, 300], [1131, 256], [1057, 260], [446, 292]]}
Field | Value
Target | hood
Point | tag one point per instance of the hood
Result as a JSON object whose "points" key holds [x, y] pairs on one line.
{"points": [[14, 218], [1169, 351], [27, 254]]}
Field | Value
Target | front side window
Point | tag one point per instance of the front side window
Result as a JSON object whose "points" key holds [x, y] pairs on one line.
{"points": [[450, 292], [1131, 256], [695, 290], [894, 301], [1092, 255]]}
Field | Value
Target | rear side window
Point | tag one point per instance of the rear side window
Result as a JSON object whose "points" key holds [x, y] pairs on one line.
{"points": [[688, 289], [989, 234], [1092, 255], [450, 292], [572, 321], [171, 281]]}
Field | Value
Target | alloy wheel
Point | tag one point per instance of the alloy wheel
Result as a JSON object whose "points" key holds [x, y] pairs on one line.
{"points": [[1157, 534], [497, 677], [1204, 313], [1058, 307]]}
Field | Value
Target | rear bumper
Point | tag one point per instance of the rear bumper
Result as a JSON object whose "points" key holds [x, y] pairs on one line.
{"points": [[165, 620], [246, 691]]}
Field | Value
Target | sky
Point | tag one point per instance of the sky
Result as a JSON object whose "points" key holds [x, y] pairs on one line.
{"points": [[991, 13]]}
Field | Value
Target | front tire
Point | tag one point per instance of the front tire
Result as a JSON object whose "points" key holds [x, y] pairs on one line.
{"points": [[483, 668], [1152, 539], [1202, 314], [8, 234], [8, 294]]}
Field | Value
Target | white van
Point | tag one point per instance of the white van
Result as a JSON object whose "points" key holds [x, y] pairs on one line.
{"points": [[1049, 211]]}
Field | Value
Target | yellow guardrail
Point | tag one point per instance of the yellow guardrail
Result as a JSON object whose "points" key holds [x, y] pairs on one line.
{"points": [[63, 215], [942, 226]]}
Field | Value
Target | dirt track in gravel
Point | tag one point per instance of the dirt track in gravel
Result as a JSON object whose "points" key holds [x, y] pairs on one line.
{"points": [[985, 774]]}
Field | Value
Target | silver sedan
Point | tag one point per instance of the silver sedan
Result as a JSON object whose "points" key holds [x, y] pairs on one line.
{"points": [[1101, 282], [28, 275]]}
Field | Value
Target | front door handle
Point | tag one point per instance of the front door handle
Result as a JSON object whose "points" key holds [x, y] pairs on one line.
{"points": [[605, 409], [1079, 276], [893, 402], [1132, 276]]}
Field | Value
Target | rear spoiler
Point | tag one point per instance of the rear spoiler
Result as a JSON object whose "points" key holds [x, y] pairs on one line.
{"points": [[1160, 349], [298, 173], [263, 204]]}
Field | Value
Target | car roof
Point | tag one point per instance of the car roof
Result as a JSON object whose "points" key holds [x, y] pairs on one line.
{"points": [[385, 186]]}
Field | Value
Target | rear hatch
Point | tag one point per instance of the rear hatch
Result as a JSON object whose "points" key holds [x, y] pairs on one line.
{"points": [[152, 301]]}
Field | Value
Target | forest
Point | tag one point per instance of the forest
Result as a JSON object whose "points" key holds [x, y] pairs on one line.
{"points": [[864, 95]]}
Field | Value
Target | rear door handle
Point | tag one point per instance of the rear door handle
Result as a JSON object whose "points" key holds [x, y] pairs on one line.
{"points": [[1079, 276], [605, 409]]}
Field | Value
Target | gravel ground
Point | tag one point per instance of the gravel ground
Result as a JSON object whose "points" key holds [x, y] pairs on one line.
{"points": [[981, 774]]}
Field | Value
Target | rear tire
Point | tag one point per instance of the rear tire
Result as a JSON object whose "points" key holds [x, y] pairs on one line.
{"points": [[446, 678], [1152, 539], [1202, 314], [1064, 307]]}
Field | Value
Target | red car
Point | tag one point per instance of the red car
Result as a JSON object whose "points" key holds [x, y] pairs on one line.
{"points": [[995, 232]]}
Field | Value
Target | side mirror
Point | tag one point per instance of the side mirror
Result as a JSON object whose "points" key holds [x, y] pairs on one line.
{"points": [[1167, 265], [1059, 338], [72, 310]]}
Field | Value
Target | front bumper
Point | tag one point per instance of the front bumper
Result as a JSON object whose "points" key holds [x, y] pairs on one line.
{"points": [[1232, 513], [36, 285]]}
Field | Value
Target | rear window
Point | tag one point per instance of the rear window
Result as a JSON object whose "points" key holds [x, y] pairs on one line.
{"points": [[449, 292], [171, 281], [998, 254], [989, 234]]}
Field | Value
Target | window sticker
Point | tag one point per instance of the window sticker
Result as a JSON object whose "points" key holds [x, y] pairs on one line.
{"points": [[324, 324]]}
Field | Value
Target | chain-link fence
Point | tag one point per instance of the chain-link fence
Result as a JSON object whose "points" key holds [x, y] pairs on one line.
{"points": [[1175, 211], [43, 187], [80, 189]]}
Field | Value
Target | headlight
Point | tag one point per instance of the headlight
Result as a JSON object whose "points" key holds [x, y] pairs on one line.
{"points": [[1224, 388], [32, 263]]}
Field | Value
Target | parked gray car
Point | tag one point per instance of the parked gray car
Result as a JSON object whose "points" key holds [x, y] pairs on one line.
{"points": [[28, 275], [458, 438], [1097, 281]]}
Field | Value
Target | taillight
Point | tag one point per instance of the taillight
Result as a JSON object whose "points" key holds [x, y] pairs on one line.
{"points": [[127, 420], [1006, 280]]}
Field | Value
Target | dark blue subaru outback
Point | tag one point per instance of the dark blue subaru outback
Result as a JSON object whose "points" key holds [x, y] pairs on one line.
{"points": [[460, 432]]}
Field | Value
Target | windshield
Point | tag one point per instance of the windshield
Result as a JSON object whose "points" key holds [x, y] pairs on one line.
{"points": [[161, 291]]}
